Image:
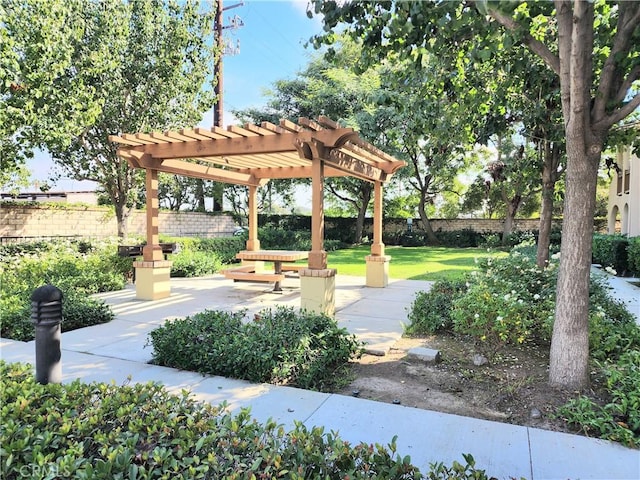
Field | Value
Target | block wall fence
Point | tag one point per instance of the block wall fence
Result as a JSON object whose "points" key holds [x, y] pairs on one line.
{"points": [[94, 222], [480, 225], [18, 221]]}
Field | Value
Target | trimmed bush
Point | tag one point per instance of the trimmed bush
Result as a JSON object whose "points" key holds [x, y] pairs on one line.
{"points": [[611, 251], [189, 263], [224, 248], [633, 255], [142, 431], [78, 268], [430, 311], [461, 238], [279, 346]]}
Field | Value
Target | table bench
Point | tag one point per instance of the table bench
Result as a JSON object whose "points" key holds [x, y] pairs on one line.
{"points": [[247, 273]]}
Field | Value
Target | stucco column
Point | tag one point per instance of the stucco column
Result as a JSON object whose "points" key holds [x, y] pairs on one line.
{"points": [[377, 262], [153, 272]]}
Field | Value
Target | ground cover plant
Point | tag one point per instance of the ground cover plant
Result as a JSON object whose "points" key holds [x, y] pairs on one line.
{"points": [[279, 346], [508, 304], [413, 263], [78, 268], [141, 431]]}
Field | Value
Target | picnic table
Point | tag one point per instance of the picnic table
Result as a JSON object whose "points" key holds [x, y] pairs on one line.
{"points": [[278, 257]]}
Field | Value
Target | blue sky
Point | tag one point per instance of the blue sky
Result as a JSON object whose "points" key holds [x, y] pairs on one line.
{"points": [[271, 48]]}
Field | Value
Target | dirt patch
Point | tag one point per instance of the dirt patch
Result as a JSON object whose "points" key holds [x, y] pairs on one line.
{"points": [[512, 388]]}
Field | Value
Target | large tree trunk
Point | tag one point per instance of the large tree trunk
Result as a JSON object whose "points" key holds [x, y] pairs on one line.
{"points": [[549, 179], [569, 355], [362, 212], [426, 225], [122, 215], [511, 211]]}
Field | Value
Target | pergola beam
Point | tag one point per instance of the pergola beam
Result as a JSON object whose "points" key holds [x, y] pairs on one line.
{"points": [[193, 170], [242, 145], [353, 166]]}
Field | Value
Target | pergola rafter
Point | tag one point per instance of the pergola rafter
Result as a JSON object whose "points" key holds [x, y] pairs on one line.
{"points": [[251, 155], [265, 151]]}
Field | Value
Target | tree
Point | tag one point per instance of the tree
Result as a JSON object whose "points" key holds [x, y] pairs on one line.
{"points": [[337, 89], [162, 54], [510, 180], [40, 104], [592, 47], [432, 131]]}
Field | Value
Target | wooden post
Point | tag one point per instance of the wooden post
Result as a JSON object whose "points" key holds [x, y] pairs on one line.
{"points": [[317, 256], [377, 262], [377, 247], [252, 242], [152, 250]]}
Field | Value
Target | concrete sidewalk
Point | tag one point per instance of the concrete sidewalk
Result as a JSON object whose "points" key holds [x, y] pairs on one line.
{"points": [[116, 351], [625, 289]]}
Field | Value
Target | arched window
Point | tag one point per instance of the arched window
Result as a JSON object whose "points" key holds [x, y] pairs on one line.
{"points": [[614, 220]]}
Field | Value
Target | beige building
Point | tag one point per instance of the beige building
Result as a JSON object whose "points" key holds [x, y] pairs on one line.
{"points": [[624, 194]]}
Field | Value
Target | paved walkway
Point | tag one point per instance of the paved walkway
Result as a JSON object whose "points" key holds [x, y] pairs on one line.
{"points": [[627, 290], [116, 351]]}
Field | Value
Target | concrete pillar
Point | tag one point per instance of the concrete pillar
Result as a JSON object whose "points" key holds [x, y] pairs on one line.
{"points": [[318, 290], [152, 279], [377, 270]]}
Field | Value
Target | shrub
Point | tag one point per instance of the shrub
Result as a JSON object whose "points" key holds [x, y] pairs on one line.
{"points": [[633, 255], [611, 251], [460, 238], [77, 268], [619, 419], [301, 349], [142, 431], [80, 311], [224, 248], [281, 239], [412, 239], [430, 311], [612, 329], [190, 263], [509, 301]]}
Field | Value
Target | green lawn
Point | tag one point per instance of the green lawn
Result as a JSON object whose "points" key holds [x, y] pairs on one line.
{"points": [[412, 263]]}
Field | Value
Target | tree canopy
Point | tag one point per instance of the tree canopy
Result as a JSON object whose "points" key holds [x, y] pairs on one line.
{"points": [[592, 48], [162, 54], [42, 103]]}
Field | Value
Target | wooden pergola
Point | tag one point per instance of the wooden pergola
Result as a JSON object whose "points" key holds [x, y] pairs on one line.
{"points": [[252, 155]]}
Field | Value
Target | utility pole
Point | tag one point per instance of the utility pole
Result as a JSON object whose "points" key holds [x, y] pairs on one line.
{"points": [[235, 22]]}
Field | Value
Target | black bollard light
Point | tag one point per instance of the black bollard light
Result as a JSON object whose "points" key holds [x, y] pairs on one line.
{"points": [[46, 315]]}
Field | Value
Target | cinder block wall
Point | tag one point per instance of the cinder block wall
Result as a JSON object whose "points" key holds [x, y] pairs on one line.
{"points": [[96, 222], [64, 221], [481, 225]]}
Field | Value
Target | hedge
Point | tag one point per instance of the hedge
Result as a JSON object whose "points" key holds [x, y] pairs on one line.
{"points": [[141, 431]]}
